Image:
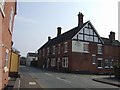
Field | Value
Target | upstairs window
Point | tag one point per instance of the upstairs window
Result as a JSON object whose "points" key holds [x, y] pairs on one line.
{"points": [[11, 19], [43, 52], [99, 49], [48, 51], [58, 48], [53, 49], [2, 2], [65, 47], [86, 47]]}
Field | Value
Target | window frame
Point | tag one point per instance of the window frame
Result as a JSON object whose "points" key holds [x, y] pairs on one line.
{"points": [[93, 59], [53, 49], [100, 67], [6, 60], [84, 47], [53, 62], [98, 49], [59, 48], [65, 62], [106, 64], [11, 19], [65, 47]]}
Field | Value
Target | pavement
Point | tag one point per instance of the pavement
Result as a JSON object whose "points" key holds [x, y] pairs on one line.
{"points": [[108, 80]]}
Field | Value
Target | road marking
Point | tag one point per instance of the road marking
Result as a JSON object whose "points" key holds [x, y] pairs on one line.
{"points": [[32, 83], [48, 74], [63, 80]]}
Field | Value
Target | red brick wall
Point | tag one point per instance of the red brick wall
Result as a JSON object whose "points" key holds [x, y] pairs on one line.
{"points": [[0, 50], [6, 38]]}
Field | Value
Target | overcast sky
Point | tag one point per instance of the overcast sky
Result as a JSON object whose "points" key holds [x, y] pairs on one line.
{"points": [[37, 20]]}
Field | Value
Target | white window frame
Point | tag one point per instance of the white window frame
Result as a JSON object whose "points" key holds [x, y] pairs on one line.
{"points": [[2, 4], [6, 60], [53, 49], [107, 66], [58, 48], [93, 61], [85, 51], [65, 47], [43, 52], [11, 19], [65, 59], [48, 51], [99, 45], [100, 59], [53, 62]]}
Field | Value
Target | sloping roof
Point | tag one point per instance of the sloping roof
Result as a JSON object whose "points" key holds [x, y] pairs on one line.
{"points": [[110, 42], [63, 37]]}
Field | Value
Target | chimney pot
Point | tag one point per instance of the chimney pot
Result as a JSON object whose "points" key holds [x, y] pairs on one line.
{"points": [[49, 38], [59, 31], [80, 19], [112, 35]]}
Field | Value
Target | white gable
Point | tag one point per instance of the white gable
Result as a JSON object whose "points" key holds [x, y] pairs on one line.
{"points": [[88, 33]]}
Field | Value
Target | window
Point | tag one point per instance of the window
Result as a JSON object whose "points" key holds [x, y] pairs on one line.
{"points": [[6, 60], [99, 62], [48, 51], [106, 63], [11, 19], [2, 2], [53, 49], [94, 59], [65, 47], [43, 52], [65, 62], [80, 36], [58, 48], [52, 62], [86, 47], [99, 49]]}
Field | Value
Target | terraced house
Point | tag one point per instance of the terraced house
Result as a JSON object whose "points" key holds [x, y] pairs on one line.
{"points": [[80, 49], [7, 13]]}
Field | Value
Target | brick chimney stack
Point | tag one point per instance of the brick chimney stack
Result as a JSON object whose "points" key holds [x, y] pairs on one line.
{"points": [[49, 38], [59, 31], [80, 19], [112, 35]]}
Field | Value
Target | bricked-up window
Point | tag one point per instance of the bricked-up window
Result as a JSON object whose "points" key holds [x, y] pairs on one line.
{"points": [[11, 19], [99, 49], [53, 49], [2, 2], [106, 63], [86, 47], [53, 62], [65, 47], [65, 62], [99, 62], [94, 59], [58, 48], [48, 51], [6, 60]]}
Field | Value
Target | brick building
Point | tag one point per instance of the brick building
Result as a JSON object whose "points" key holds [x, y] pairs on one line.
{"points": [[7, 13], [80, 49]]}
